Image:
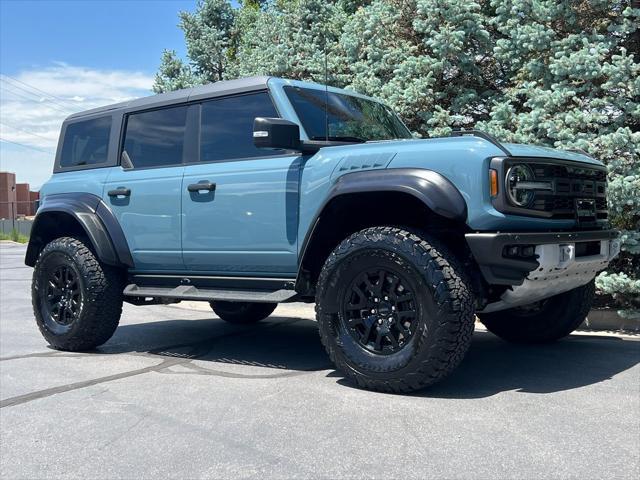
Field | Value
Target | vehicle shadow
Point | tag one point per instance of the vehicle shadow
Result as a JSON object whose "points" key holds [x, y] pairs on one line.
{"points": [[490, 367], [278, 342]]}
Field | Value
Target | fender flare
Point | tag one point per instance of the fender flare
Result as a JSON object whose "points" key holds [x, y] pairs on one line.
{"points": [[431, 188], [96, 219], [434, 190]]}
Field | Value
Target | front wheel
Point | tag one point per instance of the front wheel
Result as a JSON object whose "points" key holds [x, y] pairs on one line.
{"points": [[77, 301], [544, 321], [242, 312], [393, 309]]}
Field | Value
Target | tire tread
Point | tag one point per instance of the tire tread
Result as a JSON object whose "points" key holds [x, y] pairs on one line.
{"points": [[451, 294], [102, 297]]}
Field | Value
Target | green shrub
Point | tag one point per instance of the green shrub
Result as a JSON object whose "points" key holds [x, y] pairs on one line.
{"points": [[14, 236]]}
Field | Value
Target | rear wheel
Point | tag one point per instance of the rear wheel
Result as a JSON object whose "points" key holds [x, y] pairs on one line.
{"points": [[77, 301], [393, 310], [242, 312], [545, 321]]}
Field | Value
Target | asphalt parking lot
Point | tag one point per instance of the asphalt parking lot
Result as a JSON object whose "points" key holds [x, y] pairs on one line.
{"points": [[178, 393]]}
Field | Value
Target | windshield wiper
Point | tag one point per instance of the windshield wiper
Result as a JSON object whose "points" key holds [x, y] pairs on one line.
{"points": [[337, 138]]}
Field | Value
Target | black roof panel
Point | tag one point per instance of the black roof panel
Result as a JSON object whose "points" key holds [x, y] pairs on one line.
{"points": [[201, 92]]}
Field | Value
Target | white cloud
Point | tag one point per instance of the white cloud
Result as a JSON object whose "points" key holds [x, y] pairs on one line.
{"points": [[34, 103]]}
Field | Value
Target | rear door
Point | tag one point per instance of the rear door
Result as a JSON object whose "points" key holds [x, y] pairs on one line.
{"points": [[144, 192], [244, 220]]}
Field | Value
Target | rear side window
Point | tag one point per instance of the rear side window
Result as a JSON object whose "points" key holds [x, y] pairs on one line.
{"points": [[86, 143], [226, 130], [156, 138]]}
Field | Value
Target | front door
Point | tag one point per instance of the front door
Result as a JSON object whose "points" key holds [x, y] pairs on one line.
{"points": [[239, 203], [145, 192]]}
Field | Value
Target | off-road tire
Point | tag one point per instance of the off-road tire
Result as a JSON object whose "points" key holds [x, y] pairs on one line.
{"points": [[242, 312], [444, 306], [556, 317], [101, 296]]}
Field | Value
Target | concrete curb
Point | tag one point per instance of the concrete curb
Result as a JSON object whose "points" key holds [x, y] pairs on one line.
{"points": [[608, 319]]}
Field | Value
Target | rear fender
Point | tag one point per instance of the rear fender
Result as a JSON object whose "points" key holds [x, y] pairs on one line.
{"points": [[86, 212]]}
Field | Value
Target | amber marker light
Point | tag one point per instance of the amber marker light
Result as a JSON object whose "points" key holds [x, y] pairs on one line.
{"points": [[493, 182]]}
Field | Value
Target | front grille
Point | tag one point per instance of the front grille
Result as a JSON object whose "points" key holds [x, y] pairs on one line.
{"points": [[569, 185]]}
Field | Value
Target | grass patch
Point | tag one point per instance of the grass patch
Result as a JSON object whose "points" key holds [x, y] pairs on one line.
{"points": [[14, 236]]}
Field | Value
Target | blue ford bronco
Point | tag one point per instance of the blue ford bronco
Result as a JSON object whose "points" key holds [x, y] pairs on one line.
{"points": [[252, 192]]}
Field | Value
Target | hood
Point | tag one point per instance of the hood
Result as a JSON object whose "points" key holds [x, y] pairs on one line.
{"points": [[452, 148], [519, 150]]}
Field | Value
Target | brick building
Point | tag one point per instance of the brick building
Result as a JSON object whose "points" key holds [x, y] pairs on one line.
{"points": [[33, 197], [7, 195], [22, 199], [16, 199]]}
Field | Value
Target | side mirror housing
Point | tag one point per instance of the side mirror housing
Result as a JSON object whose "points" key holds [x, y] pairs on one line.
{"points": [[276, 133]]}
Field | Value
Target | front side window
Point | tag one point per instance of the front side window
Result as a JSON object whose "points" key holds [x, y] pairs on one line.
{"points": [[156, 138], [226, 130], [342, 117], [86, 143]]}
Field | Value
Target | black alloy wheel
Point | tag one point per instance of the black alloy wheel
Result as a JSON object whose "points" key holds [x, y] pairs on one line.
{"points": [[63, 295], [379, 311]]}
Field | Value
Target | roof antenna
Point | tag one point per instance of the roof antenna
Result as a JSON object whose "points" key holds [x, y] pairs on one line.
{"points": [[326, 90]]}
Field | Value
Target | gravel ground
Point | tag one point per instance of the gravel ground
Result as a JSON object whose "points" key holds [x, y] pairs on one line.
{"points": [[177, 393]]}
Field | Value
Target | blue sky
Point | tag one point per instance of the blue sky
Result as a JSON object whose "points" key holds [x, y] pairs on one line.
{"points": [[110, 34], [61, 56]]}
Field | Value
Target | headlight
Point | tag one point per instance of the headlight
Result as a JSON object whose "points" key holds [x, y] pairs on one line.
{"points": [[518, 196]]}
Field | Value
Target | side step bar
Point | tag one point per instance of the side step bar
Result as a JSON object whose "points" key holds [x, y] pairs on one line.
{"points": [[190, 292]]}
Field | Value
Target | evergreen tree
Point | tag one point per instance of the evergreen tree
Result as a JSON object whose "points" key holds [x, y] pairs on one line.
{"points": [[294, 39], [208, 35], [430, 59], [561, 73], [173, 74], [570, 81]]}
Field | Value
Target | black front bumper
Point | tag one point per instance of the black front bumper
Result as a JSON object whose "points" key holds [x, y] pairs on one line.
{"points": [[497, 269]]}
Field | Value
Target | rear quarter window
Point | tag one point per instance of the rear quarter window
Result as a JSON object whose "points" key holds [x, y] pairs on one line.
{"points": [[86, 143]]}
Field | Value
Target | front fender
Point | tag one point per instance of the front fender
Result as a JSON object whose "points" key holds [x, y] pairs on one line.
{"points": [[435, 191], [431, 188]]}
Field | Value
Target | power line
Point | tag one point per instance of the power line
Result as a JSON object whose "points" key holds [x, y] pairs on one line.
{"points": [[35, 88], [25, 131], [5, 76], [40, 98], [36, 95], [37, 100], [26, 146]]}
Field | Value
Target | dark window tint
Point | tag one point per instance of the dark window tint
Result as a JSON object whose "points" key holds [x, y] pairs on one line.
{"points": [[156, 138], [86, 143], [227, 127], [347, 117]]}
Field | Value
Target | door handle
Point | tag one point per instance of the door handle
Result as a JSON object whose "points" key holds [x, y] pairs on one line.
{"points": [[119, 192], [198, 187]]}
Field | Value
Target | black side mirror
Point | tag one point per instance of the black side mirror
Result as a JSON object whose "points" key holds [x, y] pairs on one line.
{"points": [[276, 133]]}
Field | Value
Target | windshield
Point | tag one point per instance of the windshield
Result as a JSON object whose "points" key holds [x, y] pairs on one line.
{"points": [[349, 118]]}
